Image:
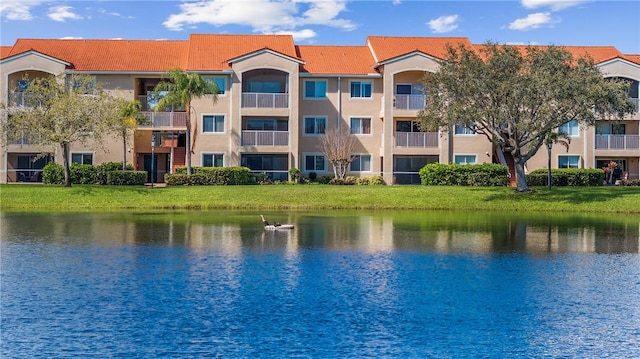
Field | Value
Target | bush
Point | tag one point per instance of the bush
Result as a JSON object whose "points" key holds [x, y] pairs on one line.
{"points": [[205, 176], [325, 179], [373, 180], [313, 176], [634, 182], [566, 177], [126, 178], [487, 174], [294, 174], [83, 174], [349, 180], [53, 173], [104, 168]]}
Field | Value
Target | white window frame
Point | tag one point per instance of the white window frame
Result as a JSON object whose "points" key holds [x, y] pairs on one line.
{"points": [[202, 154], [465, 131], [226, 81], [475, 158], [83, 153], [361, 97], [315, 126], [578, 157], [362, 127], [314, 154], [307, 97], [361, 170], [577, 126], [214, 115]]}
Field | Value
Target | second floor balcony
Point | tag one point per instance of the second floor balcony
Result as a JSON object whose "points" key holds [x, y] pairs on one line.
{"points": [[265, 138], [417, 139], [165, 119], [617, 142], [409, 102]]}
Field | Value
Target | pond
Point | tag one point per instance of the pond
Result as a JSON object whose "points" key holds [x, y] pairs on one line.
{"points": [[340, 284]]}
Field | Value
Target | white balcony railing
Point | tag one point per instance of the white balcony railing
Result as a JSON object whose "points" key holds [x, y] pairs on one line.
{"points": [[410, 102], [265, 100], [165, 119], [265, 138], [634, 102], [416, 139], [617, 142]]}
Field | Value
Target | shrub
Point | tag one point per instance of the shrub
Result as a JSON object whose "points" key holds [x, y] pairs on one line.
{"points": [[634, 182], [325, 179], [313, 176], [83, 174], [566, 177], [376, 180], [486, 174], [53, 173], [294, 174], [105, 167], [126, 178], [204, 176]]}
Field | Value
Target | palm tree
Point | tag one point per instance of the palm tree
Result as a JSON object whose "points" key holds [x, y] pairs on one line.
{"points": [[179, 88], [129, 117], [555, 137]]}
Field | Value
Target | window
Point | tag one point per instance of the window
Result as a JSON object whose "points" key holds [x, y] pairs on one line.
{"points": [[570, 128], [265, 87], [314, 125], [83, 85], [463, 130], [465, 159], [568, 161], [212, 160], [409, 89], [23, 85], [212, 124], [221, 82], [361, 163], [265, 124], [315, 89], [360, 126], [361, 89], [314, 163], [407, 126], [82, 158]]}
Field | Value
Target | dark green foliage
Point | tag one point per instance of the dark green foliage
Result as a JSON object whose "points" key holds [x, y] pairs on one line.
{"points": [[104, 168], [206, 176], [53, 173], [566, 177], [126, 178], [313, 176], [347, 181], [634, 182], [487, 174], [325, 179], [83, 174]]}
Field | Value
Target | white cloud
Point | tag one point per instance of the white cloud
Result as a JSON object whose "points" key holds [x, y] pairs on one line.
{"points": [[18, 9], [443, 24], [532, 21], [62, 14], [396, 2], [304, 34], [264, 16], [71, 38], [554, 5]]}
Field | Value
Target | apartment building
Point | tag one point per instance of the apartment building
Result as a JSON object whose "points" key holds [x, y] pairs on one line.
{"points": [[276, 99]]}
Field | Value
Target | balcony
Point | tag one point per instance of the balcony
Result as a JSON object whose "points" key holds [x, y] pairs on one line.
{"points": [[265, 100], [417, 139], [409, 102], [265, 138], [634, 102], [165, 119], [617, 142], [18, 99]]}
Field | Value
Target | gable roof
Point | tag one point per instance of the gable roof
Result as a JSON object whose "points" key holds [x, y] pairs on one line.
{"points": [[385, 48], [212, 52], [337, 60], [632, 58], [598, 54], [109, 55], [4, 51]]}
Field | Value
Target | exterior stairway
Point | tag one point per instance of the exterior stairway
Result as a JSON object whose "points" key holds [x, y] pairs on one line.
{"points": [[507, 159], [179, 158]]}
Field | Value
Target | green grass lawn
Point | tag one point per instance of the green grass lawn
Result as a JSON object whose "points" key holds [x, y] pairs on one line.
{"points": [[319, 197]]}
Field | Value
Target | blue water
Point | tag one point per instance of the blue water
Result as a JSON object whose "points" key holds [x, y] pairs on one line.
{"points": [[69, 295]]}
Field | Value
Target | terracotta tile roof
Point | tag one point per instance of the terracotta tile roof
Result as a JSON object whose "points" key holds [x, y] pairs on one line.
{"points": [[389, 47], [212, 52], [110, 55], [347, 60], [597, 53], [632, 57], [4, 51]]}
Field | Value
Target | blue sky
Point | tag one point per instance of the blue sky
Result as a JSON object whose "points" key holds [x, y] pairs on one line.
{"points": [[331, 22]]}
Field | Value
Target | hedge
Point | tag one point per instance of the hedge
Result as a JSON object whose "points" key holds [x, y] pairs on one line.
{"points": [[53, 173], [126, 178], [206, 176], [486, 174], [566, 177]]}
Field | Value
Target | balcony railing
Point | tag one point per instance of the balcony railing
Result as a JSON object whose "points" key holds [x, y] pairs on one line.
{"points": [[265, 138], [18, 99], [165, 119], [416, 139], [617, 142], [410, 102], [265, 100], [634, 102]]}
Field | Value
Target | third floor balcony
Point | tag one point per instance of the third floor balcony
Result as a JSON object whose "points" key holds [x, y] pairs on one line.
{"points": [[265, 88]]}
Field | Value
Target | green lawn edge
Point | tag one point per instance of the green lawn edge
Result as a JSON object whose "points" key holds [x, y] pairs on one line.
{"points": [[39, 198]]}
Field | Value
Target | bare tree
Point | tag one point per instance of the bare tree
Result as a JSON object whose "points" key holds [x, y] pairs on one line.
{"points": [[338, 147]]}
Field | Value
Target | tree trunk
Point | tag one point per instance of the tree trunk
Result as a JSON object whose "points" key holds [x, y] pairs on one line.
{"points": [[521, 179], [124, 150], [188, 145], [66, 165]]}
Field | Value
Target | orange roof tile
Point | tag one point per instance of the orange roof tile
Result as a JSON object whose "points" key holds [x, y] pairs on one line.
{"points": [[597, 53], [4, 51], [212, 52], [110, 55], [347, 60], [632, 57], [389, 47]]}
